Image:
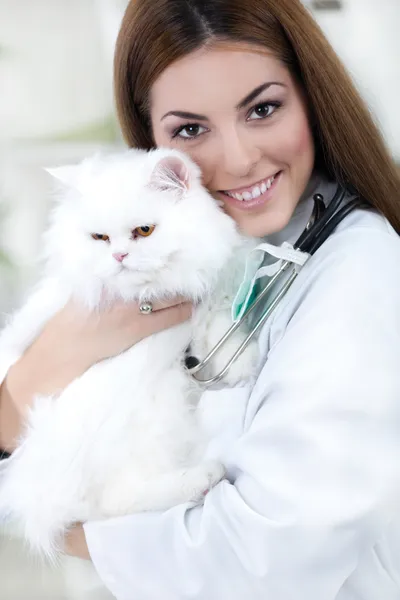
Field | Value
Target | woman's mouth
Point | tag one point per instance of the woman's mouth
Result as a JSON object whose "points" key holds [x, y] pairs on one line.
{"points": [[252, 196]]}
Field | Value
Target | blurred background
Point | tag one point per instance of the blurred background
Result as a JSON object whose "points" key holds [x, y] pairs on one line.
{"points": [[56, 106], [56, 101]]}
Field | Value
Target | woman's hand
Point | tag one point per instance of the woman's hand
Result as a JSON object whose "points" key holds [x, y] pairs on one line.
{"points": [[72, 341], [75, 543], [97, 335]]}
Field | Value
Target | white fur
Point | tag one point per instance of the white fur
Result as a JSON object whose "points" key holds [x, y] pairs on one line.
{"points": [[124, 436]]}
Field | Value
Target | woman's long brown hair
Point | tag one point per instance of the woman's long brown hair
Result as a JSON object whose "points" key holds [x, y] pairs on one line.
{"points": [[350, 147]]}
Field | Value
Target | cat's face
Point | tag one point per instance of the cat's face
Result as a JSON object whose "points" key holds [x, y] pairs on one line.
{"points": [[139, 224]]}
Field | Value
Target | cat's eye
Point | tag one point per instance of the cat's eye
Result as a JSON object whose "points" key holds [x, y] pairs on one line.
{"points": [[100, 236], [144, 231]]}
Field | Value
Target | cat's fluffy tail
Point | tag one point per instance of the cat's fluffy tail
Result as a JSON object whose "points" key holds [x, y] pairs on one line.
{"points": [[31, 502], [22, 515]]}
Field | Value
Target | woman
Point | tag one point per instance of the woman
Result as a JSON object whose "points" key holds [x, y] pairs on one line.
{"points": [[254, 93]]}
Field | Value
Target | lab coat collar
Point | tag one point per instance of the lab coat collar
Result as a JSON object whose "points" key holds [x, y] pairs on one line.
{"points": [[318, 184]]}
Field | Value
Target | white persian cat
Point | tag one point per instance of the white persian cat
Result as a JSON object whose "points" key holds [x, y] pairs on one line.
{"points": [[125, 436]]}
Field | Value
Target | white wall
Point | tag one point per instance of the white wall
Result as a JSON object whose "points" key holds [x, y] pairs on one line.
{"points": [[52, 67], [366, 35], [56, 106]]}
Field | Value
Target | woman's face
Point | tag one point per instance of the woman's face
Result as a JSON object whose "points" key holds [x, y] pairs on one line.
{"points": [[238, 113]]}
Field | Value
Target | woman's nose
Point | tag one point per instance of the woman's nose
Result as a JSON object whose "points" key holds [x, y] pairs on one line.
{"points": [[240, 155]]}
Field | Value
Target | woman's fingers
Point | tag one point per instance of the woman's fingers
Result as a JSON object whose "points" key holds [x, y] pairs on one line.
{"points": [[117, 326], [163, 317], [158, 305], [172, 315]]}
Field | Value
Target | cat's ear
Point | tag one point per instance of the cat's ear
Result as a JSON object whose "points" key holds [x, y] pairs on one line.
{"points": [[171, 174], [68, 175], [76, 176]]}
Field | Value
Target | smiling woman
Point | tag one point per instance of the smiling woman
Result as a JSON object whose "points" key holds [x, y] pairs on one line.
{"points": [[253, 143], [257, 78], [253, 92]]}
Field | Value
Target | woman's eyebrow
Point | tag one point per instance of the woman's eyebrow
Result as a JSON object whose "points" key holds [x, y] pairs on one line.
{"points": [[184, 115], [256, 92], [249, 98]]}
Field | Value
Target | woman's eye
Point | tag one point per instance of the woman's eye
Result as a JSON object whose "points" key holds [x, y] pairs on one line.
{"points": [[100, 236], [262, 111], [190, 131], [143, 231]]}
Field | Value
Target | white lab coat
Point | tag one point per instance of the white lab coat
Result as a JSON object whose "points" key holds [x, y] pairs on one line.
{"points": [[311, 506]]}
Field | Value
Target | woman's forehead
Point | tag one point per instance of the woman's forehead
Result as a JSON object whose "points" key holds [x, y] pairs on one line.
{"points": [[213, 74]]}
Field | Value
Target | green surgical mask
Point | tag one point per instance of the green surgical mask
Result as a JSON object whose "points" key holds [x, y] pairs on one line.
{"points": [[247, 291]]}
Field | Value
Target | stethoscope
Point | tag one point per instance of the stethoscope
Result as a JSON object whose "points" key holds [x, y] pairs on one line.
{"points": [[323, 222]]}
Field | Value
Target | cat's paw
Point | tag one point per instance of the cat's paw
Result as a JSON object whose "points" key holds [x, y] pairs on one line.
{"points": [[162, 492], [117, 499], [199, 480]]}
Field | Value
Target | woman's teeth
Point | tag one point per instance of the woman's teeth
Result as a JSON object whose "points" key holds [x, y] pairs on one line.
{"points": [[255, 192]]}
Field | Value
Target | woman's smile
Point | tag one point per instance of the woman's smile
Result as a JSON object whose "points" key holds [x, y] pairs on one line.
{"points": [[254, 196]]}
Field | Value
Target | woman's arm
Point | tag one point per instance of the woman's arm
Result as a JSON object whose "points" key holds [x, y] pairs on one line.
{"points": [[9, 419], [316, 464], [43, 369], [72, 342]]}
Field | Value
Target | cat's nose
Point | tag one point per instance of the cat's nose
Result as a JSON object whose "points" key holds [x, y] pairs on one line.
{"points": [[119, 256]]}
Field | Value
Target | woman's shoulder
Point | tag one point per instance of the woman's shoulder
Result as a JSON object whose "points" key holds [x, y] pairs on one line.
{"points": [[364, 241], [366, 230], [366, 222], [357, 265]]}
